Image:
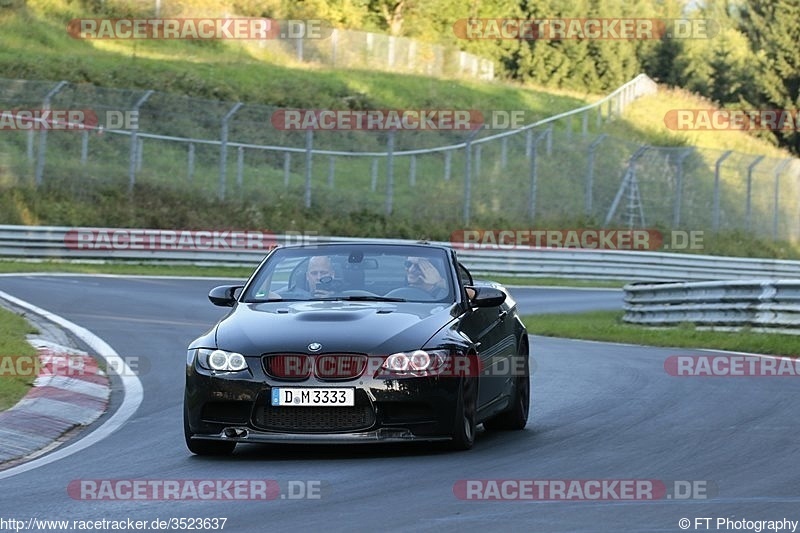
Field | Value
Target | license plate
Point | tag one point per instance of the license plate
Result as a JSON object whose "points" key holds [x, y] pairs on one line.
{"points": [[317, 397]]}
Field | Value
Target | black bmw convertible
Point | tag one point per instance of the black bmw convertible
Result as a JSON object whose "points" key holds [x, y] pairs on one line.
{"points": [[357, 342]]}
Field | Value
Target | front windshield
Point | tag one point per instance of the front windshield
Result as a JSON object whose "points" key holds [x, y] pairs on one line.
{"points": [[357, 272]]}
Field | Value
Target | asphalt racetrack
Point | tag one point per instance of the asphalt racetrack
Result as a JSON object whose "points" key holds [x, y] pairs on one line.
{"points": [[722, 448]]}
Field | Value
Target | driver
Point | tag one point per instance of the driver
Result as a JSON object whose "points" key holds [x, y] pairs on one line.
{"points": [[319, 274], [421, 274]]}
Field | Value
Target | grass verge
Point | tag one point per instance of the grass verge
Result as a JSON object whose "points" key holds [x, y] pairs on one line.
{"points": [[608, 326], [13, 329]]}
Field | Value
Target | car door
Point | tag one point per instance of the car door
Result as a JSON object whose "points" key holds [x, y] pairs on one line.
{"points": [[487, 326]]}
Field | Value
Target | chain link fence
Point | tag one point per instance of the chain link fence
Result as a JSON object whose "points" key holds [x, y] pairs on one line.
{"points": [[563, 168], [376, 51]]}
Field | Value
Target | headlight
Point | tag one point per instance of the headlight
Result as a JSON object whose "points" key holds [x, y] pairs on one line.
{"points": [[416, 363], [220, 360]]}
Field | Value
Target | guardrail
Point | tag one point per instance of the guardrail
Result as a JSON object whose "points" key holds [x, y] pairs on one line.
{"points": [[247, 248], [766, 305]]}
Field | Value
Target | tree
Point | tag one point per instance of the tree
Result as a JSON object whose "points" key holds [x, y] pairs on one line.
{"points": [[773, 29]]}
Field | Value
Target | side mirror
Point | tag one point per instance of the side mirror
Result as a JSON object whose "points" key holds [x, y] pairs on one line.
{"points": [[487, 297], [224, 295]]}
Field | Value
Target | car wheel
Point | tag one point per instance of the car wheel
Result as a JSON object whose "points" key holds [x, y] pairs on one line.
{"points": [[205, 447], [463, 436], [516, 417]]}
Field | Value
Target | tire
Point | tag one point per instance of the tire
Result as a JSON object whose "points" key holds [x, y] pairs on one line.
{"points": [[205, 447], [463, 435], [516, 417]]}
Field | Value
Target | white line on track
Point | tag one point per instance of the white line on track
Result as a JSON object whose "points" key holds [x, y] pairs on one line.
{"points": [[132, 388]]}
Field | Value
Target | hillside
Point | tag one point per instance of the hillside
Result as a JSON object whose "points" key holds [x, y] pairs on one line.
{"points": [[34, 45]]}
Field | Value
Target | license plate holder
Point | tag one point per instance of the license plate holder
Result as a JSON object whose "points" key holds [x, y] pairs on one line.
{"points": [[313, 397]]}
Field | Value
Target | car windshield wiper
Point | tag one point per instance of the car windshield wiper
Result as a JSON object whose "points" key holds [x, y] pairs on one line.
{"points": [[266, 300], [363, 298]]}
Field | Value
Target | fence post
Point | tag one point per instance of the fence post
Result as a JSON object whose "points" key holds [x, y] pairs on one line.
{"points": [[412, 171], [223, 149], [40, 158], [390, 172], [478, 161], [134, 156], [287, 167], [503, 153], [676, 208], [240, 168], [528, 143], [139, 154], [331, 171], [84, 146], [448, 161], [749, 209], [589, 193], [374, 172], [717, 166], [534, 174], [191, 162], [776, 202], [309, 158], [468, 174], [30, 145]]}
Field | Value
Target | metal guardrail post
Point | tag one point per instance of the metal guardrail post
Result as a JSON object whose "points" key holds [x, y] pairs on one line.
{"points": [[374, 173], [309, 162], [29, 146], [84, 147], [40, 156], [589, 192], [534, 174], [287, 168], [676, 208], [223, 149], [717, 166], [331, 171], [390, 172], [468, 173], [503, 153], [776, 199], [412, 171], [190, 163], [240, 168], [448, 162], [135, 144], [749, 207]]}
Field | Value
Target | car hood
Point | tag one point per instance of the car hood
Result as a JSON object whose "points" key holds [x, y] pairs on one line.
{"points": [[377, 328]]}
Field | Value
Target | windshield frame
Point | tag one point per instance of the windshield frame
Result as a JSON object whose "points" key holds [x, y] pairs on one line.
{"points": [[279, 255]]}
